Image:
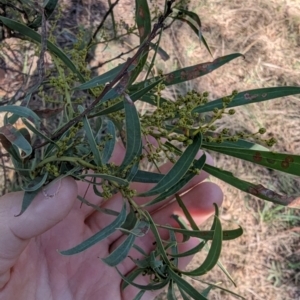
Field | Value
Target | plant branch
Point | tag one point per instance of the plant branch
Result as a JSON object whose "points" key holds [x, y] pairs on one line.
{"points": [[112, 59], [119, 76], [102, 22]]}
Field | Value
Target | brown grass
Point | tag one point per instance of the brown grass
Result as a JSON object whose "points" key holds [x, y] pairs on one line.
{"points": [[268, 34]]}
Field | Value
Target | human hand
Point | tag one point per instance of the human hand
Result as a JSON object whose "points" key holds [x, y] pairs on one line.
{"points": [[31, 267]]}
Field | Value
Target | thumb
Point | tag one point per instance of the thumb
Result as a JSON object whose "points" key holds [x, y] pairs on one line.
{"points": [[47, 209]]}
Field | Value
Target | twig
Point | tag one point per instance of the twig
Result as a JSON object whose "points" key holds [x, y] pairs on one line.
{"points": [[113, 19], [41, 62], [102, 22], [112, 59]]}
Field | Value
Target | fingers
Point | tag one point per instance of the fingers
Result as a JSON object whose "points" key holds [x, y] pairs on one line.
{"points": [[199, 202], [47, 209]]}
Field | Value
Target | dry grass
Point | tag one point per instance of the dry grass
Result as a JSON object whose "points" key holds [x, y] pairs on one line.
{"points": [[268, 34]]}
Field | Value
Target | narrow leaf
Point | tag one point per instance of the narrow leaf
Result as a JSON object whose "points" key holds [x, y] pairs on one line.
{"points": [[171, 291], [91, 139], [181, 183], [186, 213], [183, 294], [20, 111], [26, 31], [149, 287], [136, 95], [238, 144], [174, 248], [250, 96], [213, 254], [283, 162], [178, 170], [157, 237], [110, 144], [99, 236], [27, 199], [121, 252], [101, 79], [257, 190], [10, 135], [112, 178], [36, 183], [147, 177], [133, 134], [186, 287], [139, 295], [207, 235], [131, 276], [189, 73]]}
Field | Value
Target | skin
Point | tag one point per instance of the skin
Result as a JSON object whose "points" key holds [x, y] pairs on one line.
{"points": [[31, 267]]}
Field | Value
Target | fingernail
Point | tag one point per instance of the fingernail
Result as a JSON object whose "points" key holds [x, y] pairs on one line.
{"points": [[52, 189]]}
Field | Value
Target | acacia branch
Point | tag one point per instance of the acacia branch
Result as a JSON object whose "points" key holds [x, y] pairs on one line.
{"points": [[119, 76]]}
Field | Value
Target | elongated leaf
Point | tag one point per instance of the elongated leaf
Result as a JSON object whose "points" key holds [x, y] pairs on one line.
{"points": [[192, 251], [238, 144], [9, 136], [181, 183], [257, 190], [91, 138], [140, 229], [147, 177], [36, 183], [109, 145], [134, 168], [139, 295], [36, 131], [27, 199], [136, 95], [26, 31], [183, 225], [162, 53], [250, 96], [149, 287], [20, 111], [189, 73], [171, 291], [105, 176], [183, 294], [133, 134], [143, 21], [174, 248], [187, 17], [221, 288], [186, 287], [99, 236], [151, 99], [158, 240], [120, 253], [178, 170], [50, 7], [186, 213], [207, 235], [213, 254], [131, 276], [283, 162], [101, 79], [206, 291]]}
